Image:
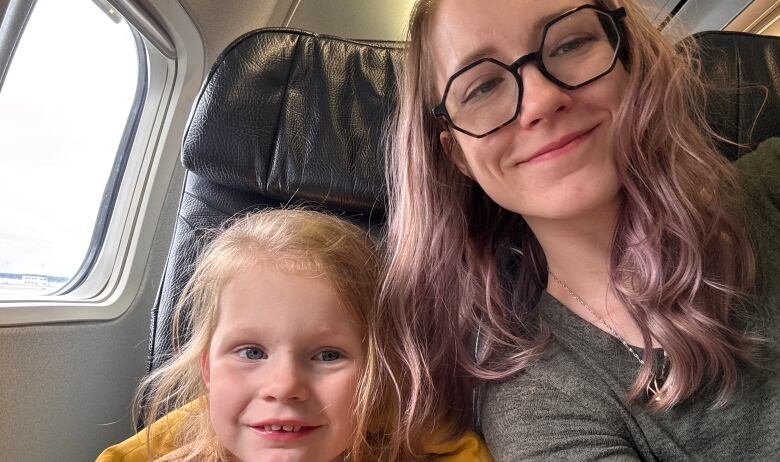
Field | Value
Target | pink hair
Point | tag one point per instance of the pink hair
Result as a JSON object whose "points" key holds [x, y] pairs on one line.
{"points": [[681, 257]]}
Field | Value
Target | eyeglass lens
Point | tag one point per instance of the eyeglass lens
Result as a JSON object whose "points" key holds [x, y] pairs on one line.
{"points": [[575, 49]]}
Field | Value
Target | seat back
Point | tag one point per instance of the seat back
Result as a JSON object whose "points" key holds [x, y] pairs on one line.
{"points": [[743, 103], [287, 116], [284, 117]]}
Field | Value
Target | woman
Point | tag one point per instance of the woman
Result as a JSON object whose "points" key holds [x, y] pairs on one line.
{"points": [[560, 220]]}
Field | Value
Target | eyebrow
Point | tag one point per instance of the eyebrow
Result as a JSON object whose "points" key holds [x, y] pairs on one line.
{"points": [[233, 333], [489, 51]]}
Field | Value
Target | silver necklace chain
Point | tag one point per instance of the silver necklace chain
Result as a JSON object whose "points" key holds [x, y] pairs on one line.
{"points": [[654, 388]]}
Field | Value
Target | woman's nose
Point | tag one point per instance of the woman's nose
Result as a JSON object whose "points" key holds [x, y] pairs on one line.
{"points": [[541, 99], [284, 382]]}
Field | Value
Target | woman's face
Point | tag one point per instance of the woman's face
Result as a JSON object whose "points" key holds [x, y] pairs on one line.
{"points": [[555, 161]]}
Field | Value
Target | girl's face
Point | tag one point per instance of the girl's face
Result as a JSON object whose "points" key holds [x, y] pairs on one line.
{"points": [[282, 368], [555, 161]]}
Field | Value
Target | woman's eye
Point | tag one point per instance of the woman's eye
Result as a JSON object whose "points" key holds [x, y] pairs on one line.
{"points": [[328, 355], [571, 45], [483, 89], [252, 353]]}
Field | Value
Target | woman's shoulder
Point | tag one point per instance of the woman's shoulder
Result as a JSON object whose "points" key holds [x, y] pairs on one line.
{"points": [[562, 381], [570, 390], [559, 372], [759, 173], [543, 412], [768, 148]]}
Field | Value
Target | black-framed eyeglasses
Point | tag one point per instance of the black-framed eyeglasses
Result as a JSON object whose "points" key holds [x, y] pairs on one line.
{"points": [[578, 47]]}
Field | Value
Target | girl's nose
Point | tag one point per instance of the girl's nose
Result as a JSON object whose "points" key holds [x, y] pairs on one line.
{"points": [[285, 382], [541, 98]]}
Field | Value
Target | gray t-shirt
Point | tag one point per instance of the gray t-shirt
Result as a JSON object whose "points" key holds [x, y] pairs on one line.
{"points": [[571, 404]]}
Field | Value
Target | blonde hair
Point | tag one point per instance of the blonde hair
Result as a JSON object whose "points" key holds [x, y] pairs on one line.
{"points": [[301, 241], [681, 257]]}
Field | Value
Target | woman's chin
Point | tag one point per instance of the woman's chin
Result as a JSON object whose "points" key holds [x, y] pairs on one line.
{"points": [[567, 205]]}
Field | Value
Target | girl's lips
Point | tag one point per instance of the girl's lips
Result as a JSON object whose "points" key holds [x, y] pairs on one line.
{"points": [[272, 433]]}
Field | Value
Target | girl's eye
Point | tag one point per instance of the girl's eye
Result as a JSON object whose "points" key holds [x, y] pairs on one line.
{"points": [[252, 353], [328, 355]]}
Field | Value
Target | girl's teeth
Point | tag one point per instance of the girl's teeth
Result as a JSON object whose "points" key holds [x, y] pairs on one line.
{"points": [[287, 428]]}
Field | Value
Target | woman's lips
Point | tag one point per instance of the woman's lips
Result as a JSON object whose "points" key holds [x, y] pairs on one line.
{"points": [[559, 147]]}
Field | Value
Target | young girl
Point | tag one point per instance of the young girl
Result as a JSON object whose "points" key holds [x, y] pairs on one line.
{"points": [[284, 359], [559, 217]]}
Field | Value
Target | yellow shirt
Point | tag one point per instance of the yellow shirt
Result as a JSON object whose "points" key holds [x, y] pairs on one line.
{"points": [[469, 447]]}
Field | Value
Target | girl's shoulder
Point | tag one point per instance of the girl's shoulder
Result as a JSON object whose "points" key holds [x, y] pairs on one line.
{"points": [[468, 447], [193, 452], [157, 439], [178, 455]]}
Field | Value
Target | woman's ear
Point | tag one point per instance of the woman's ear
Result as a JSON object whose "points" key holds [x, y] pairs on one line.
{"points": [[205, 371], [453, 151]]}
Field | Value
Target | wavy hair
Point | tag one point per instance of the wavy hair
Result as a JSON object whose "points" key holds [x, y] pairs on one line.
{"points": [[680, 262], [300, 241]]}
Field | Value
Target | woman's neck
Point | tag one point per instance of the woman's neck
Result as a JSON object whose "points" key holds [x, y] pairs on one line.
{"points": [[578, 248], [578, 252]]}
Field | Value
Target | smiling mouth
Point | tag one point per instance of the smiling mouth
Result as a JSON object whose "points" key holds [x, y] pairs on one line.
{"points": [[559, 147], [283, 432]]}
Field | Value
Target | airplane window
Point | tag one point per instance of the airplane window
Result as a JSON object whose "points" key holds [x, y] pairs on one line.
{"points": [[65, 107]]}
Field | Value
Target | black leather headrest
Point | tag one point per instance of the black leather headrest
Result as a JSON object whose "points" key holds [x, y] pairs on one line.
{"points": [[744, 102], [286, 113]]}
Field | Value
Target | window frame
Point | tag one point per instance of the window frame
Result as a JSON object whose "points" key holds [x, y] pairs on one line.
{"points": [[152, 178], [13, 20]]}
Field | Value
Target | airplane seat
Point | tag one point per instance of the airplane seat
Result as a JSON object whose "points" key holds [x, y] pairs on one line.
{"points": [[743, 102], [286, 116]]}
